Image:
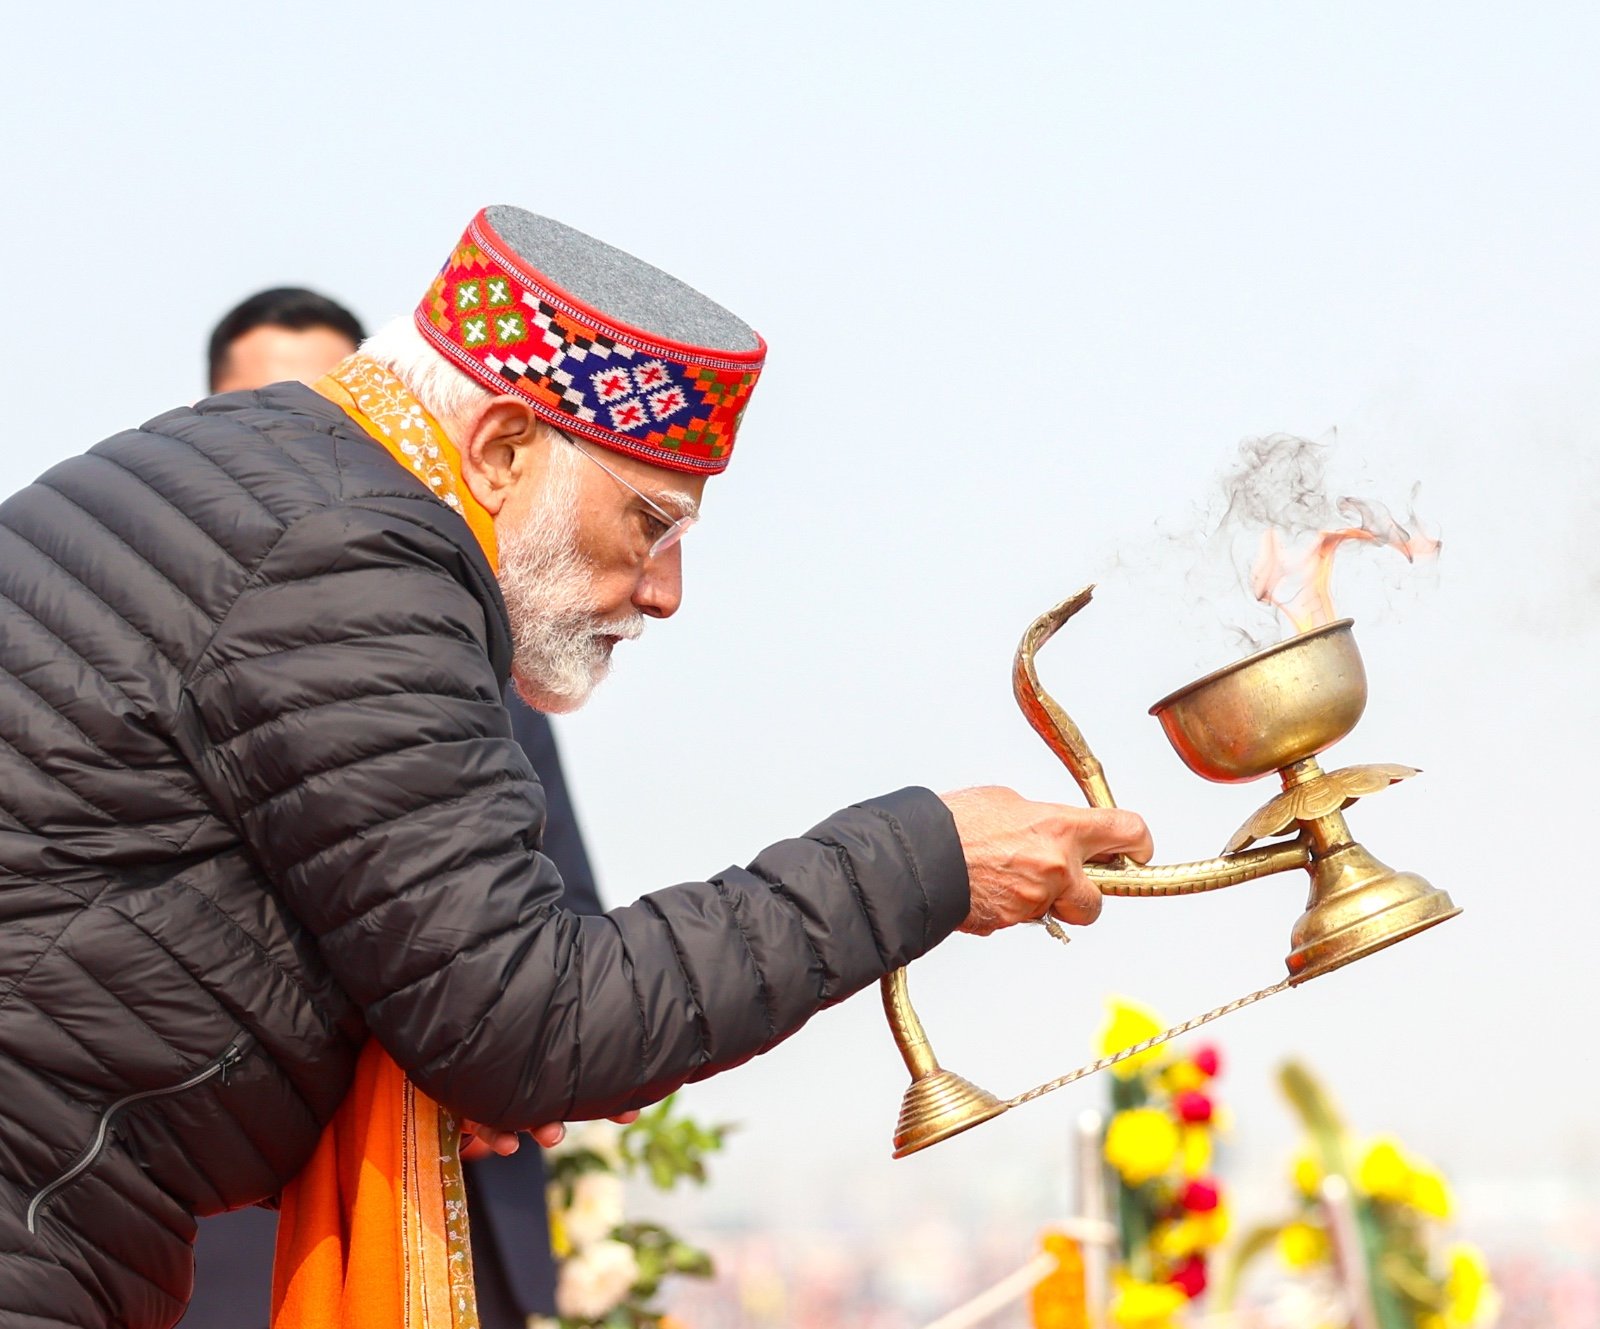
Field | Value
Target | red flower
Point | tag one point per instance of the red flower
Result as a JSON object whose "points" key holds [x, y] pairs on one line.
{"points": [[1199, 1197], [1191, 1276], [1207, 1060], [1192, 1106]]}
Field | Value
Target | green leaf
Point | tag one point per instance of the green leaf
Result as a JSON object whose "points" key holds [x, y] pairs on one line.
{"points": [[1254, 1243], [693, 1264], [1319, 1116]]}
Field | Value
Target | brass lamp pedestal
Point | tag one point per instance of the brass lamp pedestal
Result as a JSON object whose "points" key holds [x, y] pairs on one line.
{"points": [[1272, 711], [939, 1103]]}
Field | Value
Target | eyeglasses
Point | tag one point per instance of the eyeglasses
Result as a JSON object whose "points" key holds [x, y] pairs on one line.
{"points": [[676, 527]]}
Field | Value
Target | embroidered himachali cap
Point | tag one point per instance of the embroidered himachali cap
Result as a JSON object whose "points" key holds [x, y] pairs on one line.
{"points": [[602, 345]]}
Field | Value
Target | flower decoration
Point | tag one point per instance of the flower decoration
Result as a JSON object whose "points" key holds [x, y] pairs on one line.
{"points": [[595, 1211], [1470, 1297], [1303, 1245], [595, 1279], [609, 1268], [1140, 1305], [1171, 1212], [1142, 1144], [1128, 1025], [1392, 1204]]}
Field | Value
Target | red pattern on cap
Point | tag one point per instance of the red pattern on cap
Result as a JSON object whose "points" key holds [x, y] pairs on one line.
{"points": [[515, 331]]}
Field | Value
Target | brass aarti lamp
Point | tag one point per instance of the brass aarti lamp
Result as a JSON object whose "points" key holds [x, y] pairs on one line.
{"points": [[1272, 711]]}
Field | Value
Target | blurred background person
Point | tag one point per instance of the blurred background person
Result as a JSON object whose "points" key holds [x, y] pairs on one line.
{"points": [[290, 333], [279, 335]]}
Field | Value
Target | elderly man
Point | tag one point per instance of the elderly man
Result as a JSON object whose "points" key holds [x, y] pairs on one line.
{"points": [[260, 803], [284, 334]]}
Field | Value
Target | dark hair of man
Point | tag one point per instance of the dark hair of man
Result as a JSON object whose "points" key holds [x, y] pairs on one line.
{"points": [[281, 307]]}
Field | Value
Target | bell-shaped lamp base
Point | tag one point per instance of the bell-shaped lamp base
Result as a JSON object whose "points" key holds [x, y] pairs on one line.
{"points": [[940, 1105], [1359, 905]]}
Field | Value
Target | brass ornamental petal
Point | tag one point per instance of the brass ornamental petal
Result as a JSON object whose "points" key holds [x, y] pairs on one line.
{"points": [[1317, 797]]}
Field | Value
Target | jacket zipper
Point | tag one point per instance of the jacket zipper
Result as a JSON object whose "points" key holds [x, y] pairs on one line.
{"points": [[232, 1055]]}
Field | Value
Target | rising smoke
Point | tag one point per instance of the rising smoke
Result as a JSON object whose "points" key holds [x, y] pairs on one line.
{"points": [[1256, 554], [1278, 497]]}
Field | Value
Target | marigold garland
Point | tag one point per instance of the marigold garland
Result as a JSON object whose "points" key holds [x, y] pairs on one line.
{"points": [[1171, 1213]]}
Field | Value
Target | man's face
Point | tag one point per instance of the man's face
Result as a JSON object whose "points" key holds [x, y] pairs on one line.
{"points": [[575, 566], [270, 354]]}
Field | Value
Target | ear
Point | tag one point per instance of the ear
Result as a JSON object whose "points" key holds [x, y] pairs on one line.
{"points": [[500, 450]]}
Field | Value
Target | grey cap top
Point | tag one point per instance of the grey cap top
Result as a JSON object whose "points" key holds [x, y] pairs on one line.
{"points": [[619, 285]]}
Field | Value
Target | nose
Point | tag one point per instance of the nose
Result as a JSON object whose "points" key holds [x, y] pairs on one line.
{"points": [[660, 588]]}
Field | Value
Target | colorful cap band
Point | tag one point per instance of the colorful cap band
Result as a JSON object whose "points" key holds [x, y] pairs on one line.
{"points": [[600, 344]]}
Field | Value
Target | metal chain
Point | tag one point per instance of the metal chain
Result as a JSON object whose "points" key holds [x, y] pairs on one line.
{"points": [[1137, 1048]]}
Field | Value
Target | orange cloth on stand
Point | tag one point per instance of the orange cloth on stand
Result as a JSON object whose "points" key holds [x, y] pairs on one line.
{"points": [[372, 1234]]}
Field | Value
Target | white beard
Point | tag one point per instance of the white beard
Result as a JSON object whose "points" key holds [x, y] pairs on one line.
{"points": [[560, 645]]}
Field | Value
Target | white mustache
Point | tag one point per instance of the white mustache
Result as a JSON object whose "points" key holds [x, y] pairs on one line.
{"points": [[630, 628]]}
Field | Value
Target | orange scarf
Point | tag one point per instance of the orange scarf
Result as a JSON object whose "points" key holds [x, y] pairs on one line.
{"points": [[373, 1232]]}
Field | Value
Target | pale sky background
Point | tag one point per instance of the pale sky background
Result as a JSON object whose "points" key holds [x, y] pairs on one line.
{"points": [[1029, 273]]}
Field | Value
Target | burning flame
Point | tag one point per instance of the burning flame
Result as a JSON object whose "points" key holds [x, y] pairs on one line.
{"points": [[1297, 581]]}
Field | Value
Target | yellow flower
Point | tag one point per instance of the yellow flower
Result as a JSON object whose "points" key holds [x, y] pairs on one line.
{"points": [[560, 1243], [1196, 1147], [1183, 1076], [1186, 1236], [1141, 1144], [1306, 1173], [1302, 1246], [1126, 1025], [1139, 1305], [1430, 1194], [1384, 1173], [1173, 1241], [1470, 1296]]}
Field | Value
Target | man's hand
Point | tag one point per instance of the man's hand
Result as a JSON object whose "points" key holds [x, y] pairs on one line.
{"points": [[1025, 860], [479, 1141]]}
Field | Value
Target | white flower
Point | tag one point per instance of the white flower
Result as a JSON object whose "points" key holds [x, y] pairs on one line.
{"points": [[595, 1279], [595, 1210]]}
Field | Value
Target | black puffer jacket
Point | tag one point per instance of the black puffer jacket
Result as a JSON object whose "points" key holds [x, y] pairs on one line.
{"points": [[258, 795]]}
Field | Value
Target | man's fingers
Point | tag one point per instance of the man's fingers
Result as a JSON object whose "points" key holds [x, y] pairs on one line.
{"points": [[1025, 860], [1117, 831], [549, 1136], [624, 1118], [1080, 902], [480, 1140]]}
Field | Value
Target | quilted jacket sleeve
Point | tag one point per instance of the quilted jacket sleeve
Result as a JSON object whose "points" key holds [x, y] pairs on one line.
{"points": [[348, 721]]}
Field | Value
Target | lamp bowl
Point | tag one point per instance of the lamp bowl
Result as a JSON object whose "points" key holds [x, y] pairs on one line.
{"points": [[1271, 709]]}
